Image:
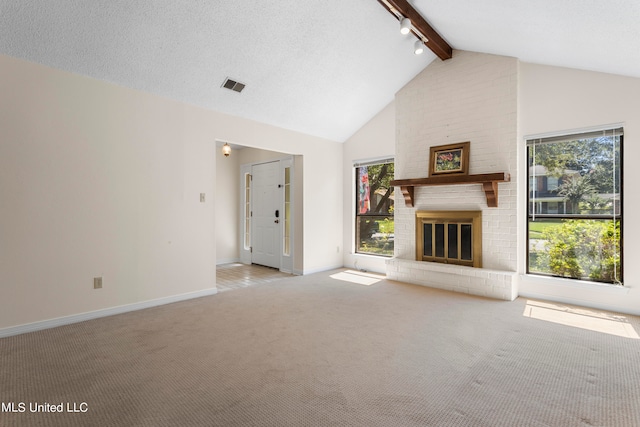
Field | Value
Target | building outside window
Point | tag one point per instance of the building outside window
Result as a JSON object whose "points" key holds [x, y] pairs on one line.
{"points": [[374, 197], [575, 206]]}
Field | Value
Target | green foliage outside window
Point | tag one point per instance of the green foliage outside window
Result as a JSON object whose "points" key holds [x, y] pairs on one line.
{"points": [[582, 249]]}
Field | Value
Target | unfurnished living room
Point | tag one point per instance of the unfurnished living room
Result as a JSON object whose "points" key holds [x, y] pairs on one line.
{"points": [[305, 213]]}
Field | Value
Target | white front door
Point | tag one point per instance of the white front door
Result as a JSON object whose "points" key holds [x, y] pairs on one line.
{"points": [[266, 214]]}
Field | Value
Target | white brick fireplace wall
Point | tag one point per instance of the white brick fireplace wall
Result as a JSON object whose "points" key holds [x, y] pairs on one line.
{"points": [[471, 97]]}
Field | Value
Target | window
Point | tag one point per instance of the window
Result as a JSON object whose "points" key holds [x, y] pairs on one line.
{"points": [[374, 208], [575, 206], [247, 211], [286, 247]]}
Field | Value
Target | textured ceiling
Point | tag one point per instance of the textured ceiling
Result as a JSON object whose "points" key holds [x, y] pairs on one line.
{"points": [[319, 67], [595, 35]]}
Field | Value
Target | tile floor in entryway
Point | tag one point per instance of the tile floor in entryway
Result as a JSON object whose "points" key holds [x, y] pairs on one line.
{"points": [[237, 275]]}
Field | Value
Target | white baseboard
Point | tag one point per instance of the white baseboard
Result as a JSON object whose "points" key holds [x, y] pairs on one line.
{"points": [[227, 261], [81, 317], [321, 269]]}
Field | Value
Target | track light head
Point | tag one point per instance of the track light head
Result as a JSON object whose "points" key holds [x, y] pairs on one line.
{"points": [[405, 25], [418, 47]]}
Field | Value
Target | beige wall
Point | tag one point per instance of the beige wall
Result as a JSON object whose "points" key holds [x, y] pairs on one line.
{"points": [[250, 155], [101, 180], [376, 139], [228, 206], [554, 99], [97, 180]]}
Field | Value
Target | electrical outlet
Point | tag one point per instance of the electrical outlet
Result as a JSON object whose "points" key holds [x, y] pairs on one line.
{"points": [[97, 283], [201, 197]]}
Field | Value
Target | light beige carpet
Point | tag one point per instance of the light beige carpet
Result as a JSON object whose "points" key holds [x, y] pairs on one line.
{"points": [[316, 351]]}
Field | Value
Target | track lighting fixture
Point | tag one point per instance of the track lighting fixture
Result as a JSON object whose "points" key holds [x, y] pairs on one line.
{"points": [[406, 28], [411, 21], [405, 25]]}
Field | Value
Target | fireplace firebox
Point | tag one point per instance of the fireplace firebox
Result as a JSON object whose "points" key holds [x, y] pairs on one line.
{"points": [[450, 237]]}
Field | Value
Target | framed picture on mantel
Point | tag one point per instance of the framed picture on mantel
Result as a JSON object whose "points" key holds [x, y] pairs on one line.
{"points": [[449, 159]]}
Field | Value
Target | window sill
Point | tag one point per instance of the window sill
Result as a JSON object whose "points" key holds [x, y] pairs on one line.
{"points": [[372, 255], [573, 284]]}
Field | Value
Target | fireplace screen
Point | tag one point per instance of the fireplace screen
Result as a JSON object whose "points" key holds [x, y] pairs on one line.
{"points": [[452, 237]]}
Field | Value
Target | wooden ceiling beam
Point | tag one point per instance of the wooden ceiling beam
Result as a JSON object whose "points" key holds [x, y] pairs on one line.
{"points": [[435, 42]]}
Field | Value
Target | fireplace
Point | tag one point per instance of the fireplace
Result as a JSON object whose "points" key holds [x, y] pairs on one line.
{"points": [[455, 88], [450, 237]]}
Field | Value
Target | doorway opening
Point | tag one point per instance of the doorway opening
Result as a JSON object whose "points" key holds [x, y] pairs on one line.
{"points": [[270, 213]]}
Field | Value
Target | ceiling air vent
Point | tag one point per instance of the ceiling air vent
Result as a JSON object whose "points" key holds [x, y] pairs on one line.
{"points": [[233, 85]]}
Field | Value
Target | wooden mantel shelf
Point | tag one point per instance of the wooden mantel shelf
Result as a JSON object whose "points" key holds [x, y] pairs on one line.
{"points": [[489, 183]]}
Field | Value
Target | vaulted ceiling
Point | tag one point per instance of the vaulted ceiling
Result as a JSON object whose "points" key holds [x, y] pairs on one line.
{"points": [[323, 68]]}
